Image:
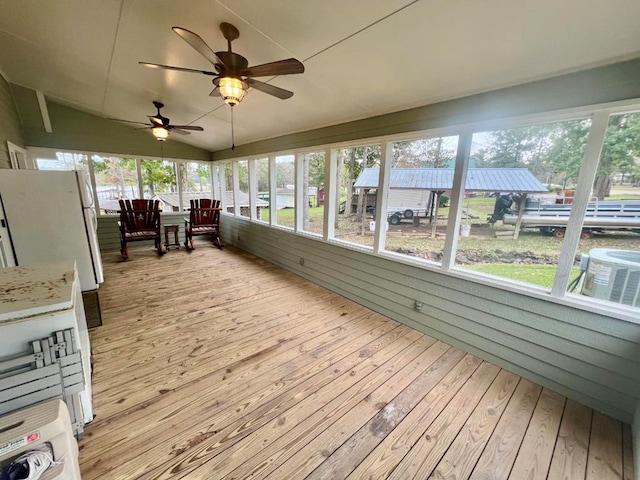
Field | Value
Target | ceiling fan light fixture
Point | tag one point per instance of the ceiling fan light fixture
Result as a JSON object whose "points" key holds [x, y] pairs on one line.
{"points": [[232, 90], [160, 133]]}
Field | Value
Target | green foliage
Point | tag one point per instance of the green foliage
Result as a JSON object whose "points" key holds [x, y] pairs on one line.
{"points": [[262, 174], [316, 166], [285, 171], [444, 200], [157, 176], [425, 153], [620, 151], [554, 152]]}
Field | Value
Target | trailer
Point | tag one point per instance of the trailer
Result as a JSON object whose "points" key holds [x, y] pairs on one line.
{"points": [[601, 216]]}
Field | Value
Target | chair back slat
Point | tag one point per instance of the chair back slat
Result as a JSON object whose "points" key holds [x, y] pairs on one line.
{"points": [[204, 212], [204, 219], [140, 214], [139, 220]]}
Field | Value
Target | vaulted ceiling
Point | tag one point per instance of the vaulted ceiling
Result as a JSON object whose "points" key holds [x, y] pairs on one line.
{"points": [[362, 58]]}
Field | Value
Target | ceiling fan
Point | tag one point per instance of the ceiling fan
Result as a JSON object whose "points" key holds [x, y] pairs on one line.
{"points": [[233, 75], [161, 127]]}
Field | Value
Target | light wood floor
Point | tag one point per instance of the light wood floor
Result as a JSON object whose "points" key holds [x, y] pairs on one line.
{"points": [[215, 364]]}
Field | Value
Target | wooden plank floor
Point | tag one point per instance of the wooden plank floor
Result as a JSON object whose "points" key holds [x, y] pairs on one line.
{"points": [[218, 365]]}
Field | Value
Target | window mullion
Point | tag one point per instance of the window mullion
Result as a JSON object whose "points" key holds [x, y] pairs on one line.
{"points": [[457, 199], [253, 190], [273, 191], [179, 166], [330, 192], [580, 201], [140, 184], [299, 190], [382, 196]]}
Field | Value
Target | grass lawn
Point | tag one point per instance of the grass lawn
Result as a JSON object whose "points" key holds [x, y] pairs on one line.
{"points": [[542, 275]]}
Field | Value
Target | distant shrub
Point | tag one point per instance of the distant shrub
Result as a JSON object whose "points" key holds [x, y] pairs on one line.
{"points": [[444, 200]]}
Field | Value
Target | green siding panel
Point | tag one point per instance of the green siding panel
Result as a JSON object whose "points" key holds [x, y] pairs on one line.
{"points": [[10, 127]]}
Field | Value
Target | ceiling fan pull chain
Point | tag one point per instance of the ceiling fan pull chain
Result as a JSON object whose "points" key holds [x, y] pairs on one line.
{"points": [[233, 137]]}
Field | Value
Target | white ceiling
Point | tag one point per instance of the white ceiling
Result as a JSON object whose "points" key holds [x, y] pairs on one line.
{"points": [[362, 58]]}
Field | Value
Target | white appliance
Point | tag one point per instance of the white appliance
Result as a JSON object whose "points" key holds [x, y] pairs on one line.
{"points": [[50, 216], [36, 301], [613, 275], [29, 428]]}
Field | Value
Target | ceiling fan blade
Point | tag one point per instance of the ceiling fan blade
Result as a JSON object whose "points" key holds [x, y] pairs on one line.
{"points": [[179, 69], [270, 89], [180, 131], [127, 121], [282, 67], [215, 92], [198, 44], [194, 128], [156, 121]]}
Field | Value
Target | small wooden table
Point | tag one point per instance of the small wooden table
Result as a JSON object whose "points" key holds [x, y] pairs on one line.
{"points": [[176, 241]]}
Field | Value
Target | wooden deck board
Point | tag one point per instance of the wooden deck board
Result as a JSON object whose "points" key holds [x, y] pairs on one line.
{"points": [[216, 364]]}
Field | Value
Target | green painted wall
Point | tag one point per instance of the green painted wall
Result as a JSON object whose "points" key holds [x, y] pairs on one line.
{"points": [[76, 130], [598, 85], [10, 128]]}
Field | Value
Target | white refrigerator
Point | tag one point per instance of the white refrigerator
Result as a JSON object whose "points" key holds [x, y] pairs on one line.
{"points": [[49, 216]]}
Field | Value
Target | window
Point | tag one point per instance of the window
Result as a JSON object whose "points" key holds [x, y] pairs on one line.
{"points": [[195, 179], [62, 160], [243, 179], [116, 179], [312, 165], [228, 187], [159, 182], [517, 200], [262, 186], [285, 191], [611, 225], [355, 204], [420, 185]]}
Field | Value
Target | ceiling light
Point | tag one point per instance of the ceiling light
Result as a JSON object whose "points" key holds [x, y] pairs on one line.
{"points": [[231, 89], [160, 133]]}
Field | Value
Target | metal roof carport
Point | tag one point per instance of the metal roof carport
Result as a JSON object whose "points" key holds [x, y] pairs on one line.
{"points": [[438, 180]]}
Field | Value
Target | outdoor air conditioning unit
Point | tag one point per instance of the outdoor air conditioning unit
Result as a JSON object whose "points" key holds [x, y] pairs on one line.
{"points": [[613, 275]]}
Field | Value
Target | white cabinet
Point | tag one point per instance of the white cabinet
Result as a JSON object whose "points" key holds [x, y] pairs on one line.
{"points": [[38, 300]]}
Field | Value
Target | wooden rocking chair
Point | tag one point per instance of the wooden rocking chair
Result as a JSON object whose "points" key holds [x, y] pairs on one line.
{"points": [[139, 220], [204, 219]]}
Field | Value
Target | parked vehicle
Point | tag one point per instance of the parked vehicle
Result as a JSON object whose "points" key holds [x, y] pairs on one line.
{"points": [[396, 214], [601, 216]]}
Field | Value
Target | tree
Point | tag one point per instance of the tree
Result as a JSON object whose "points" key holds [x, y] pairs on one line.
{"points": [[262, 172], [351, 162], [203, 172], [424, 153], [620, 149], [157, 176], [119, 172], [564, 158]]}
